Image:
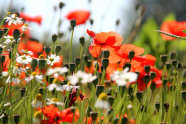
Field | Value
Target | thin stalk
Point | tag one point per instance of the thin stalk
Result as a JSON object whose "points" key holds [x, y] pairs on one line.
{"points": [[70, 57]]}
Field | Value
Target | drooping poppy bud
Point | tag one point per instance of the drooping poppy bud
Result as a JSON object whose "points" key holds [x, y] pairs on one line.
{"points": [[157, 105], [105, 63], [168, 65], [88, 63], [73, 23], [99, 89], [110, 100], [174, 63], [16, 119], [16, 34], [54, 38], [164, 58], [172, 55], [124, 120], [57, 50], [139, 95], [47, 50], [94, 115], [72, 67], [5, 119], [77, 61], [152, 75], [147, 68], [166, 106], [131, 54], [82, 40], [34, 64], [153, 86], [106, 54], [146, 79], [23, 90], [61, 5]]}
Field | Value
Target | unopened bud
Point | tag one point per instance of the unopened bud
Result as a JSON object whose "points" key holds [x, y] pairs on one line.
{"points": [[91, 21], [152, 75], [164, 58], [88, 63], [139, 95], [77, 61], [94, 115], [124, 120], [153, 86], [172, 55], [99, 89], [72, 23], [34, 64], [54, 38], [82, 40], [16, 34], [57, 50], [147, 68], [131, 54], [183, 84], [72, 67], [110, 100], [106, 54], [47, 50], [61, 5], [23, 90], [174, 63], [16, 119], [146, 79], [42, 64], [166, 106], [105, 63], [157, 105]]}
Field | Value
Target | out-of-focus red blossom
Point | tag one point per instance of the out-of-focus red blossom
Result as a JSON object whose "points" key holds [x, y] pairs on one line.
{"points": [[6, 64], [54, 116], [13, 27], [81, 16], [26, 17], [173, 27], [105, 41], [91, 33]]}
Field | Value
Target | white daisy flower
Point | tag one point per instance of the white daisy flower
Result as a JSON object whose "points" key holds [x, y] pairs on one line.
{"points": [[9, 39], [34, 76], [57, 71], [54, 101], [13, 79], [2, 46], [69, 87], [102, 102], [23, 59], [12, 18], [123, 77], [53, 86], [25, 27], [7, 104], [37, 102], [27, 52], [53, 59], [4, 73]]}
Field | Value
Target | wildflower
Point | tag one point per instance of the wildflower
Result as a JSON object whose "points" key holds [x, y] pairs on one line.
{"points": [[53, 59], [53, 101], [26, 52], [37, 117], [69, 87], [24, 59], [34, 76], [57, 71], [2, 46], [24, 27], [102, 102], [13, 80], [55, 86], [123, 77], [37, 102], [12, 18], [81, 16], [7, 104], [9, 39], [174, 28]]}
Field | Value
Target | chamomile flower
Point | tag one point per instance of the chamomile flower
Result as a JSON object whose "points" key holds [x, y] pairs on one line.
{"points": [[9, 39], [24, 59], [68, 87], [57, 71], [37, 102], [12, 18], [37, 117], [2, 46], [55, 86], [53, 59], [123, 77], [102, 102], [34, 76], [25, 27], [53, 101], [27, 52]]}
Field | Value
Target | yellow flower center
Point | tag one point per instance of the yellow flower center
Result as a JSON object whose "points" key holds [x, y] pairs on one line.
{"points": [[102, 96], [119, 69], [51, 59], [23, 58], [69, 83], [41, 56], [34, 73], [9, 13], [39, 97], [54, 99], [38, 115], [55, 81]]}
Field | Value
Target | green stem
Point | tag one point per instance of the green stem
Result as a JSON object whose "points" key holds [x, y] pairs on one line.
{"points": [[70, 57]]}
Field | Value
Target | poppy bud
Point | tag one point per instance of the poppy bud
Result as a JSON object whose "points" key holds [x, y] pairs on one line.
{"points": [[82, 40], [163, 58], [57, 50], [61, 34], [5, 30], [73, 108], [99, 89], [124, 120], [54, 38], [183, 93], [9, 54], [95, 82], [106, 54], [34, 64], [152, 75], [153, 86], [91, 21], [2, 59], [72, 67], [72, 23], [164, 82], [117, 22], [42, 64], [116, 120], [139, 95], [94, 115], [86, 57], [183, 84], [99, 74], [47, 50], [110, 100], [166, 106], [147, 68], [168, 65], [61, 5], [89, 109], [157, 105], [131, 54], [127, 65], [1, 33], [77, 61], [23, 90], [16, 119], [146, 79], [1, 50], [122, 89], [105, 63], [88, 63], [16, 34], [5, 119], [41, 90], [179, 66], [174, 63], [172, 55]]}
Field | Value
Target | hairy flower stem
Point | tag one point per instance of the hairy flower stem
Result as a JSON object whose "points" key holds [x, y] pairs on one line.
{"points": [[70, 57]]}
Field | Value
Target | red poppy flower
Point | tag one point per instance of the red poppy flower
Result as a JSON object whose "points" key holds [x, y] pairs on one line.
{"points": [[105, 41], [6, 63], [91, 33], [68, 116], [81, 16], [37, 19], [173, 27]]}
